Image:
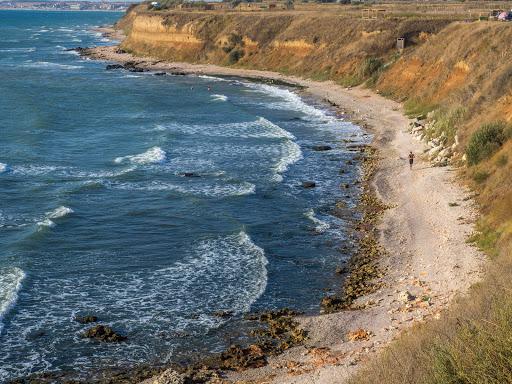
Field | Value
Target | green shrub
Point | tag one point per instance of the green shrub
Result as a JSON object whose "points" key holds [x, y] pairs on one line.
{"points": [[446, 121], [235, 55], [370, 66], [417, 108], [371, 70], [480, 176], [485, 238], [486, 141]]}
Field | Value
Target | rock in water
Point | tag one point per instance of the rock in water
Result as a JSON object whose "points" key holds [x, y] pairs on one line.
{"points": [[308, 184], [86, 319], [223, 314], [322, 148], [103, 333], [110, 67], [189, 174]]}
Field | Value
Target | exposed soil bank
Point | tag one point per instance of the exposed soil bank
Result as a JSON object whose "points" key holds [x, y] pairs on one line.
{"points": [[427, 262]]}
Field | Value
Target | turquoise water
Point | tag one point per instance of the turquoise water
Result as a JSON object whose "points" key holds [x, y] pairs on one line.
{"points": [[97, 216]]}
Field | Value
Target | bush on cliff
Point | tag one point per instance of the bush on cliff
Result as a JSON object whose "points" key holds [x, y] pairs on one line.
{"points": [[486, 141]]}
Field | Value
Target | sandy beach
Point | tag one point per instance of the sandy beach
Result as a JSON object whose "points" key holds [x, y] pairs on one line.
{"points": [[427, 263]]}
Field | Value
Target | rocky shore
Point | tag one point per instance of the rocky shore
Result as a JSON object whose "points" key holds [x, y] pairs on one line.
{"points": [[412, 260]]}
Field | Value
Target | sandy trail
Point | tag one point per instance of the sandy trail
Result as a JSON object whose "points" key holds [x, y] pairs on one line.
{"points": [[428, 261]]}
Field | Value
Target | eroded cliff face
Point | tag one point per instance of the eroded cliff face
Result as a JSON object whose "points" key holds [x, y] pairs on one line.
{"points": [[320, 46]]}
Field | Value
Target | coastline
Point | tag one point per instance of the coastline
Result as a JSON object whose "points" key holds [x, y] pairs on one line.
{"points": [[427, 262]]}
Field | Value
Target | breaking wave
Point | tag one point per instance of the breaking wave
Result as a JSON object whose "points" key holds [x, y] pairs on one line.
{"points": [[57, 213], [222, 190], [320, 226], [289, 101], [10, 284], [290, 154], [219, 98], [46, 64], [60, 212], [153, 155], [259, 128]]}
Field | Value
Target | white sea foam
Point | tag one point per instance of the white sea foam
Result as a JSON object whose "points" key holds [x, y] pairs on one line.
{"points": [[290, 153], [10, 284], [31, 49], [67, 52], [259, 128], [68, 172], [320, 226], [217, 97], [3, 167], [59, 212], [46, 223], [215, 190], [153, 155], [289, 101], [47, 64], [211, 78]]}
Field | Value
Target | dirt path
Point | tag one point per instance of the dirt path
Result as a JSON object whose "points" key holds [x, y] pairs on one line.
{"points": [[424, 233]]}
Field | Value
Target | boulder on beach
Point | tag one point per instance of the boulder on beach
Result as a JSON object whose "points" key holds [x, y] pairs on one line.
{"points": [[103, 333], [169, 376], [308, 184], [160, 73], [237, 358]]}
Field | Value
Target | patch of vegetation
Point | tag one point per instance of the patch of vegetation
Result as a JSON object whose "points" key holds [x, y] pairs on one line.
{"points": [[486, 141], [446, 122], [480, 176], [417, 108], [453, 204], [235, 55], [371, 69], [350, 81], [371, 66], [502, 161], [485, 238]]}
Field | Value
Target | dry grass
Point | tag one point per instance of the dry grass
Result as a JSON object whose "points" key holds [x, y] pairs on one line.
{"points": [[470, 344]]}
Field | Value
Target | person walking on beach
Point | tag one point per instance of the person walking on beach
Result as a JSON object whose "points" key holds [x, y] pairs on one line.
{"points": [[411, 159]]}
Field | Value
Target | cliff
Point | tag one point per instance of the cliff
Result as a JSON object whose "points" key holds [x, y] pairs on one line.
{"points": [[321, 46]]}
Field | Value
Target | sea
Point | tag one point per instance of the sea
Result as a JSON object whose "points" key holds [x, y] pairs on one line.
{"points": [[153, 202]]}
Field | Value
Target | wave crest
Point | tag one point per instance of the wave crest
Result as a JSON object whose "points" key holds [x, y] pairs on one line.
{"points": [[10, 284], [153, 155]]}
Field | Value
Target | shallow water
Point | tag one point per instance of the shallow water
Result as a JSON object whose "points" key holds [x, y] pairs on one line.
{"points": [[97, 217]]}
